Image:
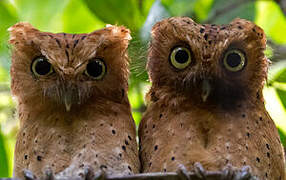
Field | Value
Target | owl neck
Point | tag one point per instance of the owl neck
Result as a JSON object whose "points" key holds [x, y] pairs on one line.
{"points": [[175, 99], [49, 112]]}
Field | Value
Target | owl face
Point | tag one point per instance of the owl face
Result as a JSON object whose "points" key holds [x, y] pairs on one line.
{"points": [[208, 63], [69, 69]]}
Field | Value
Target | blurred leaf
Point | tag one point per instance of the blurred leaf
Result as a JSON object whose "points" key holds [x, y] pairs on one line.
{"points": [[282, 96], [73, 16], [202, 9], [281, 76], [145, 5], [222, 12], [272, 20], [156, 13], [4, 75], [120, 12], [7, 19], [282, 136], [277, 72], [3, 158], [44, 15], [274, 106], [179, 7]]}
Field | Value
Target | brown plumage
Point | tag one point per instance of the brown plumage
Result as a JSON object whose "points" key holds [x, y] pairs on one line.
{"points": [[206, 103], [72, 99]]}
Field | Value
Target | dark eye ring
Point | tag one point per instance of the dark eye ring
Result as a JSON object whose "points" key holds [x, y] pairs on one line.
{"points": [[180, 57], [234, 60], [95, 69], [41, 66]]}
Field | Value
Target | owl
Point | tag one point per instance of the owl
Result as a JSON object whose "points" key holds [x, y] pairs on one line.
{"points": [[74, 113], [205, 104]]}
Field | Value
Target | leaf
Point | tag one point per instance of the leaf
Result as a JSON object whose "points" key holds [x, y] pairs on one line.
{"points": [[202, 9], [7, 19], [119, 12], [145, 5], [4, 172], [73, 16], [222, 12], [179, 7], [274, 106], [45, 15], [277, 72], [272, 20], [282, 95], [281, 77], [156, 13], [282, 137]]}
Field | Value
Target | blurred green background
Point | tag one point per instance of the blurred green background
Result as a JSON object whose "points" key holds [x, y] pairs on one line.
{"points": [[78, 16]]}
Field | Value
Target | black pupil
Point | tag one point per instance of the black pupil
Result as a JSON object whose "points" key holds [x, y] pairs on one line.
{"points": [[94, 68], [43, 67], [233, 60], [182, 56]]}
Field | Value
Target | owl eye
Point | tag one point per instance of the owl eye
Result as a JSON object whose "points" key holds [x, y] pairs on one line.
{"points": [[180, 57], [41, 66], [234, 60], [96, 69]]}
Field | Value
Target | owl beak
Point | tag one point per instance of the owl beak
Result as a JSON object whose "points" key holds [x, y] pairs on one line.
{"points": [[206, 89], [68, 102]]}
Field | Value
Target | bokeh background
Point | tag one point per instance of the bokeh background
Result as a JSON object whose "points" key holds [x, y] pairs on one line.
{"points": [[79, 16]]}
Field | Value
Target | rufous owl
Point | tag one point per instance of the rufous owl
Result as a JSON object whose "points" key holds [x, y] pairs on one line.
{"points": [[205, 103], [73, 108]]}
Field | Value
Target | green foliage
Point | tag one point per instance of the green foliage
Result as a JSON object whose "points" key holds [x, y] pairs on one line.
{"points": [[223, 12], [78, 16], [127, 12], [3, 158], [272, 19]]}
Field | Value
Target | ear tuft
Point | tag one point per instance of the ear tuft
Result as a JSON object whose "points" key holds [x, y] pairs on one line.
{"points": [[19, 31], [252, 29], [121, 31]]}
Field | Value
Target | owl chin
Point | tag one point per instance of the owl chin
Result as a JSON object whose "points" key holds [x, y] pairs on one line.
{"points": [[206, 90]]}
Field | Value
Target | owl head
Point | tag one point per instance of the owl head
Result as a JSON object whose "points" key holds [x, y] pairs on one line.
{"points": [[207, 63], [65, 70]]}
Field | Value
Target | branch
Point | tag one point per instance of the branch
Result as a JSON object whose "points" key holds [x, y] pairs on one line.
{"points": [[155, 176], [207, 175]]}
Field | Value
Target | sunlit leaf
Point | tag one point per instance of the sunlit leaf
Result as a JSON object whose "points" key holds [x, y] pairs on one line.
{"points": [[120, 12], [45, 15], [277, 72], [272, 20], [3, 158], [179, 7], [202, 8], [145, 5], [282, 136], [7, 19], [275, 107], [281, 77], [73, 16], [282, 96]]}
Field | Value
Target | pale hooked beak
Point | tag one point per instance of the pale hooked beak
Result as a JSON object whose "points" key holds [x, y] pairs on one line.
{"points": [[206, 90], [68, 102]]}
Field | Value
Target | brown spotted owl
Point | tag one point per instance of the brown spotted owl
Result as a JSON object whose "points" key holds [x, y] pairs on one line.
{"points": [[72, 99], [205, 103]]}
